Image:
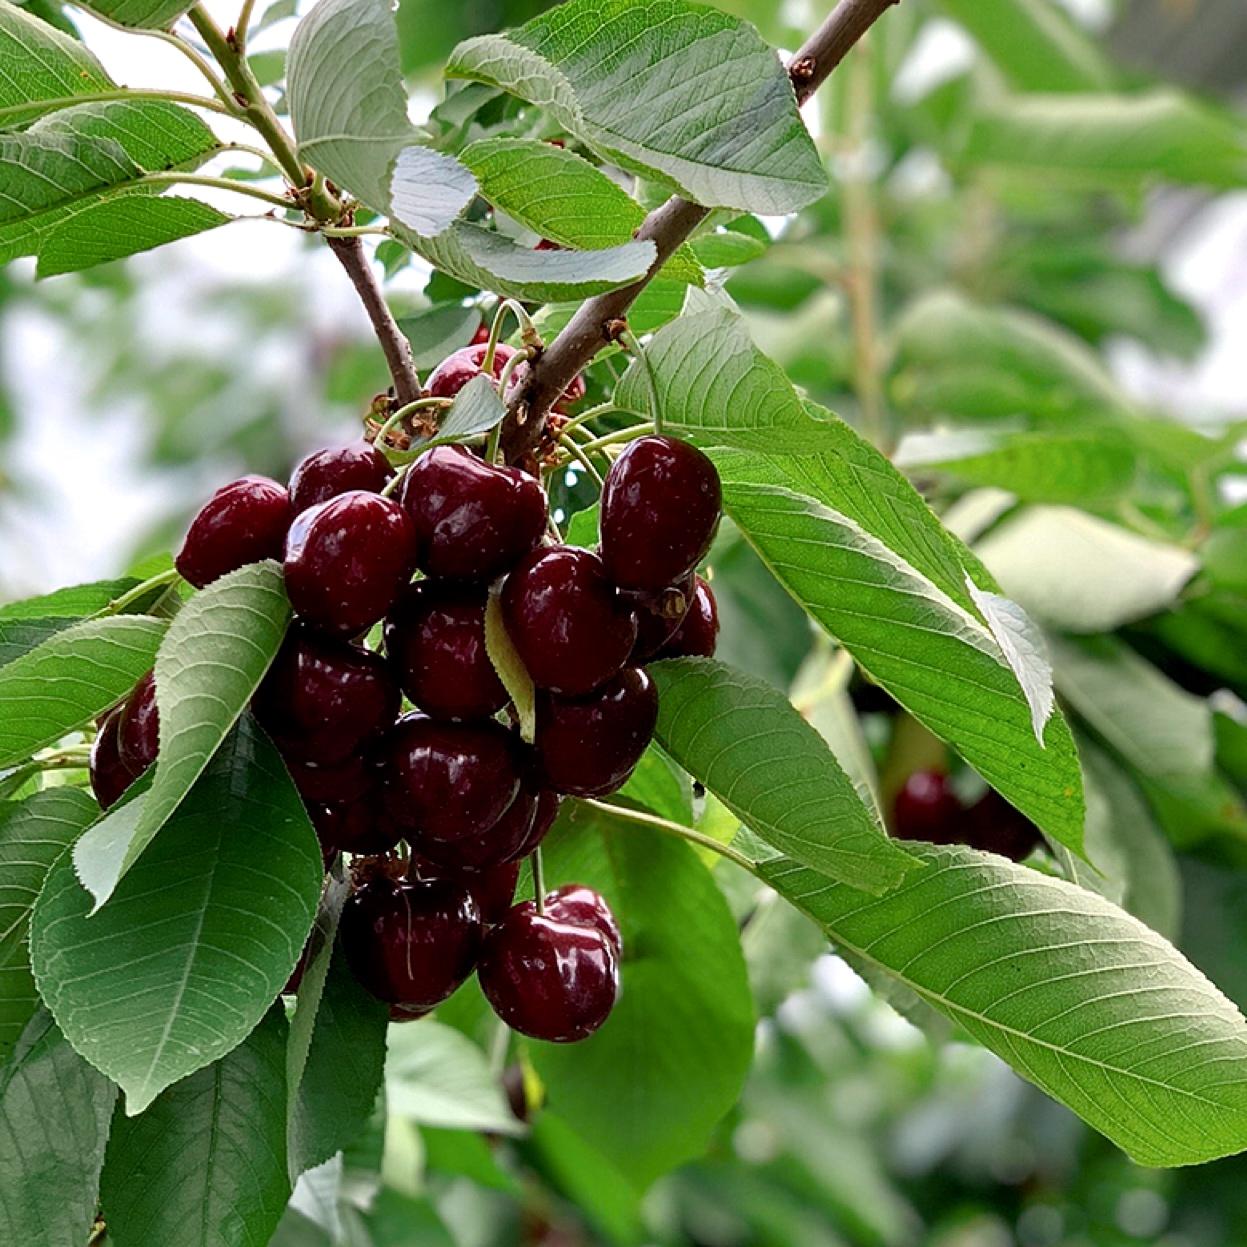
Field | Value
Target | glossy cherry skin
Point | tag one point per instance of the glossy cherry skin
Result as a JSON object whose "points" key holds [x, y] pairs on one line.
{"points": [[927, 808], [658, 615], [461, 366], [548, 802], [660, 509], [335, 782], [411, 943], [569, 625], [576, 903], [698, 632], [995, 826], [110, 776], [435, 640], [243, 522], [483, 850], [347, 559], [138, 729], [588, 746], [446, 781], [473, 520], [325, 474], [359, 826], [493, 889], [551, 980], [323, 699]]}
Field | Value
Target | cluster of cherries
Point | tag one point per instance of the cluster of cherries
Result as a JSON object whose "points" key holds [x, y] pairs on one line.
{"points": [[452, 779], [928, 808]]}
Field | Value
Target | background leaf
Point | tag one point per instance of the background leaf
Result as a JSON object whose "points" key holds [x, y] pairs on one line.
{"points": [[438, 330], [144, 14]]}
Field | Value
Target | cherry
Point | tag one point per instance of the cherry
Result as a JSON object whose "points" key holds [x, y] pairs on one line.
{"points": [[576, 903], [138, 728], [473, 521], [461, 366], [243, 522], [483, 850], [357, 826], [449, 780], [927, 808], [435, 639], [995, 826], [110, 776], [325, 474], [566, 620], [481, 334], [493, 889], [588, 746], [549, 979], [658, 615], [548, 802], [346, 560], [660, 509], [323, 699], [332, 783], [698, 632], [411, 943]]}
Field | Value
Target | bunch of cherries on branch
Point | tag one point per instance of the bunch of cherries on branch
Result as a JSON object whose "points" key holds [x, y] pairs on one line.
{"points": [[438, 806]]}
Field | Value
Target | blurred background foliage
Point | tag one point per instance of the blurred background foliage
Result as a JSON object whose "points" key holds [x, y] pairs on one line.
{"points": [[1028, 282]]}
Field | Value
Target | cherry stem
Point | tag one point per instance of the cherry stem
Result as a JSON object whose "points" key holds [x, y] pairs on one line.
{"points": [[620, 435], [577, 452], [408, 409], [117, 605], [595, 413], [528, 333], [628, 338], [539, 881], [672, 829]]}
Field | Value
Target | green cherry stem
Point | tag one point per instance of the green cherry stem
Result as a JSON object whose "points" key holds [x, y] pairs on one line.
{"points": [[621, 435], [140, 591], [528, 333], [629, 340], [672, 829], [539, 881], [573, 448]]}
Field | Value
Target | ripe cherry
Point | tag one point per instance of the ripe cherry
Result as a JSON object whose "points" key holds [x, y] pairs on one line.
{"points": [[332, 783], [927, 808], [435, 639], [574, 902], [411, 943], [323, 699], [473, 521], [547, 978], [995, 826], [483, 850], [461, 366], [359, 826], [658, 615], [346, 560], [243, 522], [110, 776], [493, 889], [138, 728], [588, 746], [325, 474], [660, 510], [698, 632], [449, 780], [548, 802], [569, 625]]}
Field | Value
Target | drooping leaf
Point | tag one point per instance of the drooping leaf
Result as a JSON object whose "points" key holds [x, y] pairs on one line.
{"points": [[54, 1115], [438, 330], [72, 676], [142, 14], [33, 834], [211, 662], [197, 940], [205, 1165], [744, 741], [626, 78]]}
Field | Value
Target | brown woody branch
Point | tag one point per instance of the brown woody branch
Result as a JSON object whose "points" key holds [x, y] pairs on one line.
{"points": [[667, 227]]}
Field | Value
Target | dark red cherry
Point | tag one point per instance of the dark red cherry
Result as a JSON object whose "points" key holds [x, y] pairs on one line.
{"points": [[481, 334], [332, 783], [473, 520], [459, 367], [411, 943], [358, 826], [588, 746], [449, 780], [658, 615], [323, 699], [483, 850], [435, 640], [346, 560], [548, 802], [698, 633], [927, 808], [551, 980], [110, 776], [243, 522], [325, 474], [494, 890], [995, 826], [574, 902], [569, 625], [138, 729], [660, 509]]}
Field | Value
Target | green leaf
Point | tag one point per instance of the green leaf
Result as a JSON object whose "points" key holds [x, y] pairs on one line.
{"points": [[349, 110], [746, 743], [510, 667], [205, 1165], [32, 836], [438, 1077], [661, 787], [54, 1115], [90, 666], [1079, 997], [211, 662], [142, 14], [670, 1061], [487, 260], [727, 249], [1081, 573], [122, 226], [475, 410], [41, 64], [70, 159], [75, 602], [438, 330], [198, 939], [627, 77], [561, 196]]}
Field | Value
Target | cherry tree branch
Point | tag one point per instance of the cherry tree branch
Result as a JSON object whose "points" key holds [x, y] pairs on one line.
{"points": [[599, 319]]}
